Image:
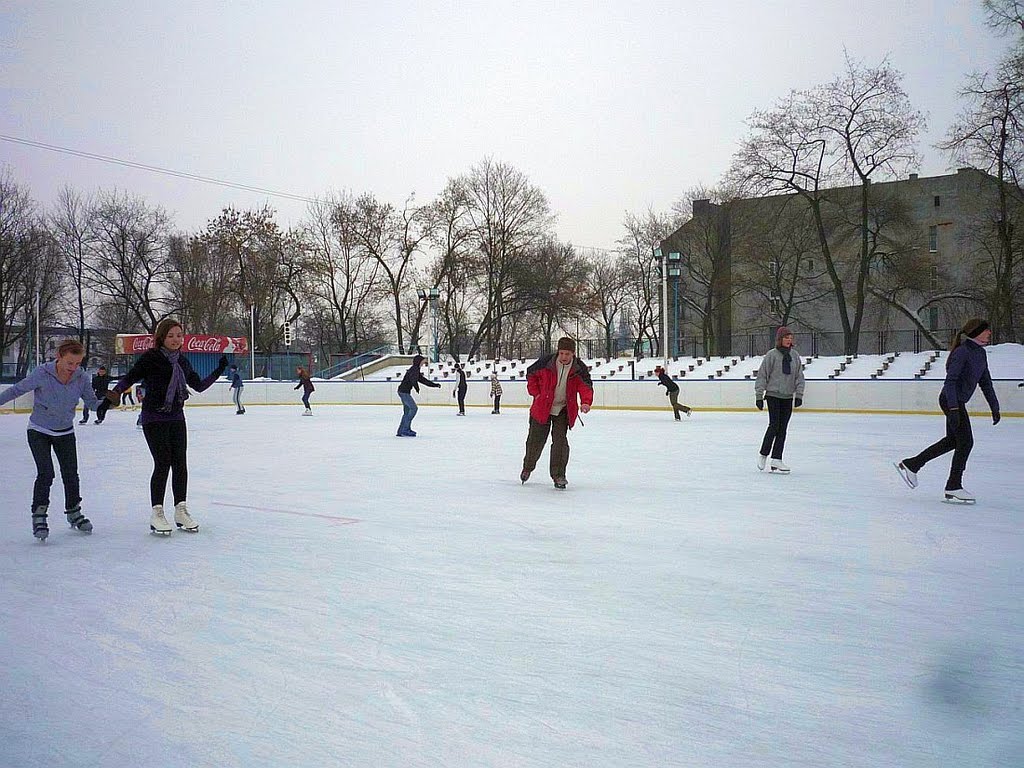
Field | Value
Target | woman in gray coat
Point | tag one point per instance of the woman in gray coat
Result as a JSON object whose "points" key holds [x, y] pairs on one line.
{"points": [[780, 383]]}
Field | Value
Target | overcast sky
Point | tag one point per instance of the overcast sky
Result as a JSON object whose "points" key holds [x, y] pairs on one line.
{"points": [[607, 107]]}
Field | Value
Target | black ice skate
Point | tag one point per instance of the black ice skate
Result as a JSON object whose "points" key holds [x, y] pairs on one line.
{"points": [[77, 520], [39, 527], [524, 476], [561, 483]]}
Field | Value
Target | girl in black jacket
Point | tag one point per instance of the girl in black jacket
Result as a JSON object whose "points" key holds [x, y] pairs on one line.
{"points": [[167, 375]]}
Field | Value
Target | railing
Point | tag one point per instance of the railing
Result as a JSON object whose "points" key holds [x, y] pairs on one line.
{"points": [[354, 362]]}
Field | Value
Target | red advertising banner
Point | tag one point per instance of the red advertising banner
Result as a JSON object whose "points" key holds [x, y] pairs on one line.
{"points": [[133, 344]]}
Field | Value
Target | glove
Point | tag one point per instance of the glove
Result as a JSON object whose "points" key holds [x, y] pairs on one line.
{"points": [[953, 419], [996, 417], [798, 402], [759, 403], [223, 362], [114, 397]]}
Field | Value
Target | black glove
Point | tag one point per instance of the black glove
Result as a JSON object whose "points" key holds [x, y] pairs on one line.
{"points": [[953, 419], [223, 362], [996, 417], [798, 402], [759, 403]]}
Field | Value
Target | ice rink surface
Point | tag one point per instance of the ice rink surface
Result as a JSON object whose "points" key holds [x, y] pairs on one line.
{"points": [[356, 599]]}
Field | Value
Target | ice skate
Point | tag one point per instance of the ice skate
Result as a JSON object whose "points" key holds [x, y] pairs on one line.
{"points": [[910, 478], [183, 519], [307, 412], [688, 412], [524, 476], [778, 466], [959, 496], [39, 527], [77, 520], [561, 483], [761, 461], [158, 523]]}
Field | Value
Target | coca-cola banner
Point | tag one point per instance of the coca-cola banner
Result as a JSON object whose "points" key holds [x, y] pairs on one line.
{"points": [[133, 344]]}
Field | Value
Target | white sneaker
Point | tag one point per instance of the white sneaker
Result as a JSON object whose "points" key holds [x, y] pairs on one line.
{"points": [[778, 466], [158, 523], [910, 478], [761, 461], [960, 495], [183, 519]]}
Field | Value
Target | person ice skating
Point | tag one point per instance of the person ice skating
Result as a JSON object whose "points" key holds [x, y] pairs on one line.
{"points": [[495, 392], [561, 388], [780, 384], [410, 381], [140, 394], [672, 390], [56, 388], [307, 389], [100, 385], [461, 389], [127, 398], [167, 375], [236, 389], [966, 370]]}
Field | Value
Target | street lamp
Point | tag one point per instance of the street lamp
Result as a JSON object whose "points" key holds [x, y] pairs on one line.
{"points": [[668, 267], [433, 295]]}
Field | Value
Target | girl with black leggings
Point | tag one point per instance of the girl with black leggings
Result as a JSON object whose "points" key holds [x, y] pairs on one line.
{"points": [[780, 384]]}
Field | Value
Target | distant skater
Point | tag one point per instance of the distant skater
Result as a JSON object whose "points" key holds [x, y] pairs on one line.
{"points": [[672, 390], [167, 375], [236, 389], [461, 389], [412, 380], [100, 384], [966, 370], [307, 389], [780, 383], [561, 388], [56, 388], [495, 392]]}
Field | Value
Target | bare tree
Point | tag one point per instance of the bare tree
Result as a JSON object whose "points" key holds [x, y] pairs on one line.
{"points": [[609, 292], [70, 226], [637, 245]]}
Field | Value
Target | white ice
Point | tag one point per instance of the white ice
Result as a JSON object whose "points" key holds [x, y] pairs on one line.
{"points": [[356, 599]]}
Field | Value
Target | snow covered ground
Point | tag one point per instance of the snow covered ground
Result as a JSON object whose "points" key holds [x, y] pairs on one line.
{"points": [[358, 599]]}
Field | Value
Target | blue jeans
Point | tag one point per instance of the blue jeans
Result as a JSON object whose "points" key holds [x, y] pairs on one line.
{"points": [[409, 411]]}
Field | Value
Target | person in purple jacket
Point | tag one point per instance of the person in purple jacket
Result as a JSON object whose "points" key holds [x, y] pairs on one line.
{"points": [[56, 388], [966, 370], [167, 375]]}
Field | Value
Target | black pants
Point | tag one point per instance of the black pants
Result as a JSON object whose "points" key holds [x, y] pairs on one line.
{"points": [[305, 399], [779, 412], [462, 399], [67, 457], [168, 443], [959, 439], [127, 397], [497, 403], [537, 438]]}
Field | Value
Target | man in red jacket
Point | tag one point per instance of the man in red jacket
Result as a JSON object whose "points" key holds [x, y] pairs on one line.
{"points": [[555, 381]]}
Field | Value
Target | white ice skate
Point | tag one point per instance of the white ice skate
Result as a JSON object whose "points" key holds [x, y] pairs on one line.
{"points": [[308, 412], [183, 519], [761, 461], [158, 523], [960, 496], [910, 478], [778, 466]]}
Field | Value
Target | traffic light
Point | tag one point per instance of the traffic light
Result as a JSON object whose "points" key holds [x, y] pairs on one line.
{"points": [[287, 333]]}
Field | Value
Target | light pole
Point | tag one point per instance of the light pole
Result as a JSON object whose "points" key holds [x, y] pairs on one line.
{"points": [[674, 264], [433, 295], [660, 259]]}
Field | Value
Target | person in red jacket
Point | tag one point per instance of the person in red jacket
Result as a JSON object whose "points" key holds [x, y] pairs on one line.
{"points": [[561, 388]]}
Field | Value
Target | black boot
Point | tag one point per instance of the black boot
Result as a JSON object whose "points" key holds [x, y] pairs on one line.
{"points": [[77, 520], [39, 527]]}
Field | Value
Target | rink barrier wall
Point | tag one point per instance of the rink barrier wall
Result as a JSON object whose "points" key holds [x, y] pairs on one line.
{"points": [[900, 396]]}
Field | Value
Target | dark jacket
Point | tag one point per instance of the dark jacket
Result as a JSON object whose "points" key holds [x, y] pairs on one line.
{"points": [[154, 370], [666, 381], [966, 369], [541, 379], [307, 385], [413, 378], [462, 381], [100, 384], [236, 381]]}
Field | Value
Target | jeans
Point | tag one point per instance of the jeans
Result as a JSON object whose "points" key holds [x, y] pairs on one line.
{"points": [[537, 437], [497, 403], [305, 400], [67, 457], [959, 439], [462, 399], [237, 398], [409, 409], [779, 412], [168, 444]]}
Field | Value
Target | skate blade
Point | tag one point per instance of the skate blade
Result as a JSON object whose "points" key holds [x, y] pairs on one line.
{"points": [[954, 500], [188, 530], [781, 471], [155, 532], [902, 476]]}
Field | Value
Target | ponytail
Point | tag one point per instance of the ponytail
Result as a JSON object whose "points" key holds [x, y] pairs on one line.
{"points": [[970, 329]]}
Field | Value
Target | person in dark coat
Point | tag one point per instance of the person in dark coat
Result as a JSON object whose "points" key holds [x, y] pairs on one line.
{"points": [[100, 385], [561, 388], [461, 389], [672, 390], [966, 370], [412, 380], [307, 389], [167, 375], [236, 389]]}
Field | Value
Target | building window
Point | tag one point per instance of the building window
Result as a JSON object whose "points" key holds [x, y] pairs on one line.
{"points": [[773, 268], [935, 278], [810, 265], [933, 318], [776, 305], [933, 239], [937, 201]]}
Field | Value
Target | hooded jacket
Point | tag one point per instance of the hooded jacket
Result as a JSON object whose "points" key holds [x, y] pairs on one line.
{"points": [[413, 378], [53, 403], [541, 379], [966, 370]]}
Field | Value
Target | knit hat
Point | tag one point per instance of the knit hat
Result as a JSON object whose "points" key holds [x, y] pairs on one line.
{"points": [[781, 333], [974, 330], [566, 343]]}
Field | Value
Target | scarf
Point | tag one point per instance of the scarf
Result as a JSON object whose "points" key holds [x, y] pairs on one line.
{"points": [[787, 360], [177, 391]]}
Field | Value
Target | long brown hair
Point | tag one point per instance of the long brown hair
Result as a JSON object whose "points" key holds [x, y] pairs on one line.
{"points": [[959, 336], [302, 372], [70, 347], [162, 329]]}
